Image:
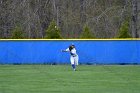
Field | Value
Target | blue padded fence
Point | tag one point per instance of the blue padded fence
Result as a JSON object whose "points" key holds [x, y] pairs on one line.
{"points": [[89, 51]]}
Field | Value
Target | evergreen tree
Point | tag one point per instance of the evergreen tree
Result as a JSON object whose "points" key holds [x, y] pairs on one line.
{"points": [[17, 33], [86, 34], [53, 32], [124, 30]]}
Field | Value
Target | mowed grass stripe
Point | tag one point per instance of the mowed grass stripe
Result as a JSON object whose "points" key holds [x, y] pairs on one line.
{"points": [[61, 79]]}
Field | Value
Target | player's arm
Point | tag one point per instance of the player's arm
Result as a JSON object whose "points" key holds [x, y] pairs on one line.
{"points": [[67, 50], [63, 51]]}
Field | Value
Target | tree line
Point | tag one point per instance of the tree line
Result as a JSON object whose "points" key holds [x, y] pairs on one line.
{"points": [[36, 19]]}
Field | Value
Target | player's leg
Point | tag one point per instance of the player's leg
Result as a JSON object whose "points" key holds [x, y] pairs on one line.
{"points": [[76, 60], [72, 63]]}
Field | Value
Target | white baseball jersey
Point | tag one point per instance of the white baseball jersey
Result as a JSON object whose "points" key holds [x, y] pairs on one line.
{"points": [[72, 52]]}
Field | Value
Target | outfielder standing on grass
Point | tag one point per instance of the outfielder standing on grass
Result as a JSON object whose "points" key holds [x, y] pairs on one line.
{"points": [[74, 57]]}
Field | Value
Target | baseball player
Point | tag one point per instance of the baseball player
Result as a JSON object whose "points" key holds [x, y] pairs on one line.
{"points": [[74, 57]]}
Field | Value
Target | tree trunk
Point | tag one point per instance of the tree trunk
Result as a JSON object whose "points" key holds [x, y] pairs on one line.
{"points": [[134, 19]]}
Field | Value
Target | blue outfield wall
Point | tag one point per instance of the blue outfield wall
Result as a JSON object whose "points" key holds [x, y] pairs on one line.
{"points": [[89, 51]]}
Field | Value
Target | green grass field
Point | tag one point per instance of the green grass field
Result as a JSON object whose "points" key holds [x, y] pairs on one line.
{"points": [[61, 79]]}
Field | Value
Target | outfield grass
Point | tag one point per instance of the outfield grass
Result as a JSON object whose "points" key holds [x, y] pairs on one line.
{"points": [[61, 79]]}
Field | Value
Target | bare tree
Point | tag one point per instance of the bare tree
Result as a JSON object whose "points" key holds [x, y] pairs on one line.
{"points": [[134, 18], [104, 17]]}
